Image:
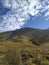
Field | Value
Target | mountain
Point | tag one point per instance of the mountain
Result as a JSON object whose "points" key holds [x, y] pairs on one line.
{"points": [[33, 34], [22, 47]]}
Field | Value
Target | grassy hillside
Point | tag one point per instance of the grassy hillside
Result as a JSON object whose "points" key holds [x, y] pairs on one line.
{"points": [[25, 46], [36, 35], [23, 52], [5, 35]]}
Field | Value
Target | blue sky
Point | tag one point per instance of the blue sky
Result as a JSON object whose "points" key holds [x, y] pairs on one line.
{"points": [[39, 22], [16, 14]]}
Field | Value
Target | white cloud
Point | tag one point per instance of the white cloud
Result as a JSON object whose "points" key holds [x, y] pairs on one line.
{"points": [[19, 13], [47, 14]]}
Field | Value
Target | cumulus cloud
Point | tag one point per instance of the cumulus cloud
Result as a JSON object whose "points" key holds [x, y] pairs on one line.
{"points": [[20, 11]]}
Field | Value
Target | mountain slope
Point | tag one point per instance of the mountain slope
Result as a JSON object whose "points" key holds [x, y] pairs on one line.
{"points": [[20, 47], [33, 34]]}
